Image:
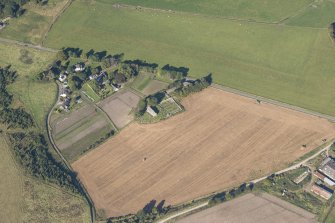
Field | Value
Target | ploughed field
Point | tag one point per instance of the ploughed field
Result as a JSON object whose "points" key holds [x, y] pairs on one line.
{"points": [[222, 140], [261, 208]]}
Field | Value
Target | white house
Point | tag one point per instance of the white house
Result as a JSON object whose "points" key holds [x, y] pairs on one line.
{"points": [[62, 78], [79, 67], [151, 111]]}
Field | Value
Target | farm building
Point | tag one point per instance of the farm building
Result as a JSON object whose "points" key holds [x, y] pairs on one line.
{"points": [[115, 87], [324, 178], [327, 167], [322, 191], [151, 111]]}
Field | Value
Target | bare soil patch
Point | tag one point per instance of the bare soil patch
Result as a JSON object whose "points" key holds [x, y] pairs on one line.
{"points": [[119, 106], [67, 121], [263, 208], [222, 140]]}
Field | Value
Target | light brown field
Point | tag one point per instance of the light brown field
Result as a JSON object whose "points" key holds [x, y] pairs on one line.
{"points": [[119, 106], [262, 208], [222, 140]]}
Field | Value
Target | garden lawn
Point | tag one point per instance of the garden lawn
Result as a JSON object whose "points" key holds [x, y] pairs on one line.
{"points": [[286, 63]]}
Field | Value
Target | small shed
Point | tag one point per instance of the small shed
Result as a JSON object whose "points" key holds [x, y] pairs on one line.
{"points": [[151, 111]]}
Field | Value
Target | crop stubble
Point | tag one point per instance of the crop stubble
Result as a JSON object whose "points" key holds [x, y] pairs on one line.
{"points": [[222, 140]]}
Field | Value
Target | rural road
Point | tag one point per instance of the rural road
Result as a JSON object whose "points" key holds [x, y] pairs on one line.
{"points": [[295, 166], [87, 196], [36, 47], [183, 212]]}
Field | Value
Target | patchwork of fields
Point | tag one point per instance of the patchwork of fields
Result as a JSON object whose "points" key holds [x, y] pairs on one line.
{"points": [[288, 63], [75, 132], [221, 140]]}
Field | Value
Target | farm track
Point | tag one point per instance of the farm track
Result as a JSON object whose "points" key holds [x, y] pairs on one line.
{"points": [[68, 4], [51, 140], [276, 23], [29, 45]]}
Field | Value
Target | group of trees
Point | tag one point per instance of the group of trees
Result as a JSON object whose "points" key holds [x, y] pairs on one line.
{"points": [[32, 152], [225, 196], [174, 73], [151, 100], [332, 27], [12, 117], [191, 86], [14, 8], [30, 147], [148, 214]]}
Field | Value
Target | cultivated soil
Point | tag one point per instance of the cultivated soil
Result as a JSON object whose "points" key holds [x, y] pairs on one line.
{"points": [[262, 208], [119, 106], [221, 141]]}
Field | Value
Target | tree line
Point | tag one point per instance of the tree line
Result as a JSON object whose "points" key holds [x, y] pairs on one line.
{"points": [[12, 117], [30, 146], [332, 30], [14, 8]]}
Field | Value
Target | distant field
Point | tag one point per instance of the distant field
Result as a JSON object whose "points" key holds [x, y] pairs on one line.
{"points": [[10, 186], [318, 14], [32, 26], [220, 141], [261, 208], [286, 63], [76, 131], [24, 199], [259, 10]]}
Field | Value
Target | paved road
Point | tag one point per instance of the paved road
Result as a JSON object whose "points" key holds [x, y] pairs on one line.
{"points": [[183, 212], [278, 103], [37, 47]]}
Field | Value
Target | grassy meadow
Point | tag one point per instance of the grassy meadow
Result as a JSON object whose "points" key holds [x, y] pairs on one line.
{"points": [[287, 63], [259, 10], [34, 24], [26, 199], [37, 96]]}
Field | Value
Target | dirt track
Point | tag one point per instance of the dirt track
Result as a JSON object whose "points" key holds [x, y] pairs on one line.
{"points": [[222, 140]]}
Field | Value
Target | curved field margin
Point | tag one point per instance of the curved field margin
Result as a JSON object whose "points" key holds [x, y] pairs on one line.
{"points": [[222, 140]]}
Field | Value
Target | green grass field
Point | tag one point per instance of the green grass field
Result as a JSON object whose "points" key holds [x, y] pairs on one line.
{"points": [[331, 217], [260, 10], [10, 186], [286, 63], [140, 82], [34, 24], [90, 92], [38, 97], [320, 14], [24, 199]]}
